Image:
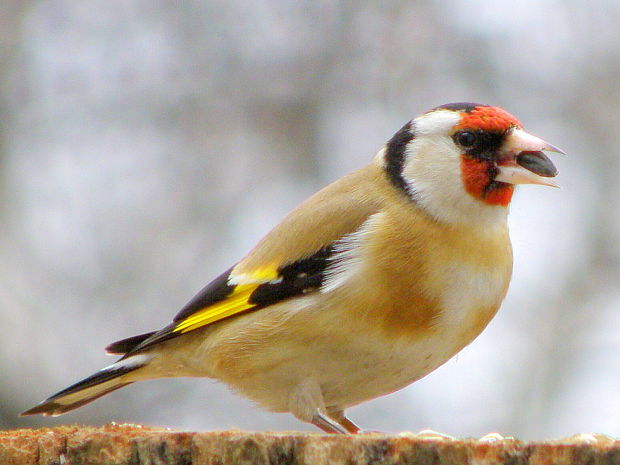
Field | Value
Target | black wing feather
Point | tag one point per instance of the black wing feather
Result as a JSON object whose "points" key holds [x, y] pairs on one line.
{"points": [[297, 278]]}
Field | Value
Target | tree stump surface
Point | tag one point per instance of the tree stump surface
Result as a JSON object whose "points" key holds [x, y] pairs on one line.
{"points": [[137, 445]]}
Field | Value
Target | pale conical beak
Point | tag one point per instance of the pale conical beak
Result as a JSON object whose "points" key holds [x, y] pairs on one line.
{"points": [[522, 160]]}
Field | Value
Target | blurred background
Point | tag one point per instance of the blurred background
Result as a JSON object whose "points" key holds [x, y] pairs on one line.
{"points": [[146, 145]]}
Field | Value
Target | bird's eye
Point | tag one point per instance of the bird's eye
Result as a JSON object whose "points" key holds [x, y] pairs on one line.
{"points": [[465, 139]]}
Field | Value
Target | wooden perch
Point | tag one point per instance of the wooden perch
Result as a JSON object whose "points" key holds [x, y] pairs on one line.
{"points": [[137, 445]]}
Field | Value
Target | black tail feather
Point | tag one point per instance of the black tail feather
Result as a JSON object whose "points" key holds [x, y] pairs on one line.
{"points": [[50, 407], [85, 391]]}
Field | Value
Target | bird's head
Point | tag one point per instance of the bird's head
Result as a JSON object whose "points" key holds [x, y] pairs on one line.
{"points": [[461, 161]]}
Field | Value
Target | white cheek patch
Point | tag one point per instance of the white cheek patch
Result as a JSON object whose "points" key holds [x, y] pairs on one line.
{"points": [[433, 168], [433, 163]]}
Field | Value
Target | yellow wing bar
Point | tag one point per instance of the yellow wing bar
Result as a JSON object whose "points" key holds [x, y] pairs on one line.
{"points": [[237, 302], [241, 288]]}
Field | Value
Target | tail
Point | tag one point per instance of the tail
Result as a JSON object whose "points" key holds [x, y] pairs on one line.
{"points": [[99, 384]]}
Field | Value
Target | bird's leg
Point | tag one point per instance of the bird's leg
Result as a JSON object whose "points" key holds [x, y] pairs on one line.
{"points": [[327, 424], [337, 414], [306, 403]]}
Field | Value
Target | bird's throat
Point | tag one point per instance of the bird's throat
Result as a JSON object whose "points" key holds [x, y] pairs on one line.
{"points": [[478, 181]]}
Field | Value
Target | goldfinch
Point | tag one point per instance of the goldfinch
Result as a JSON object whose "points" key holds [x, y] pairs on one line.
{"points": [[364, 288]]}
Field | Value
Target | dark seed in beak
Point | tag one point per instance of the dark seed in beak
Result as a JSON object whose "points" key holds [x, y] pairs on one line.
{"points": [[537, 162]]}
